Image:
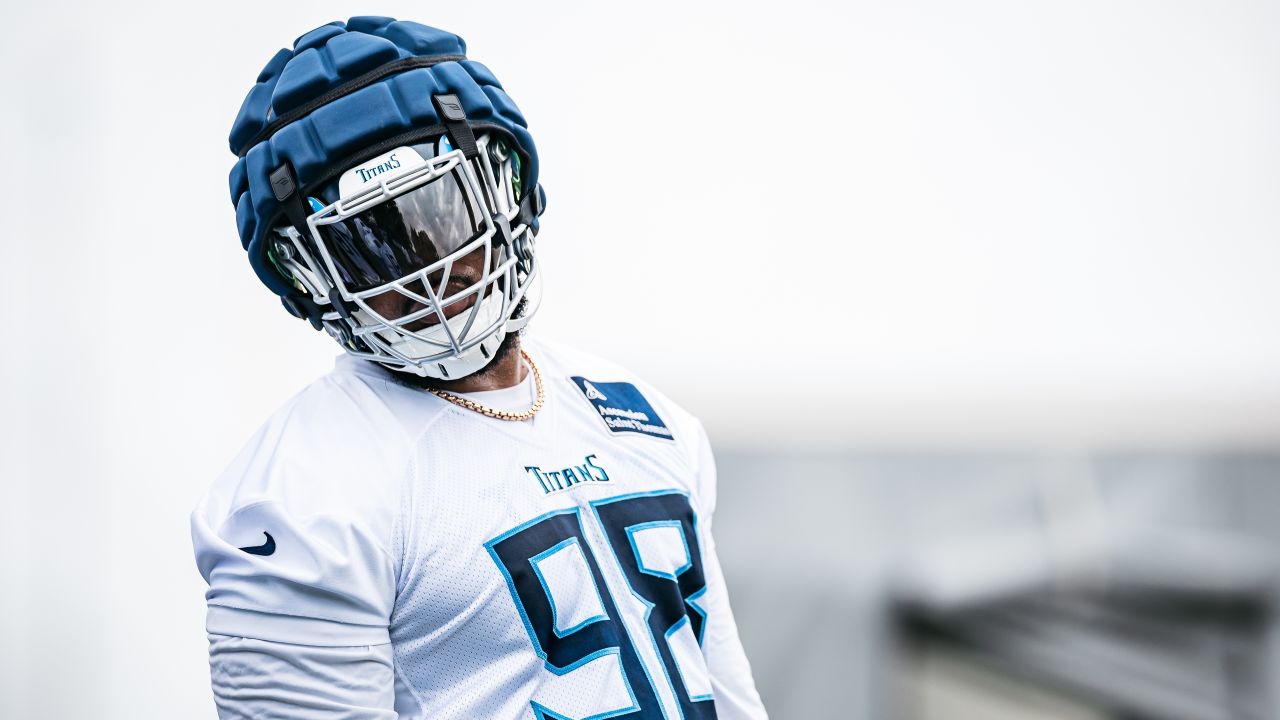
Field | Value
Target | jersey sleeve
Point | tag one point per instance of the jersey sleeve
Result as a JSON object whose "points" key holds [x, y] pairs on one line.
{"points": [[732, 685], [295, 539], [263, 679]]}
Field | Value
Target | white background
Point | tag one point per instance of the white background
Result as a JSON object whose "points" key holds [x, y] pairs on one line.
{"points": [[816, 224]]}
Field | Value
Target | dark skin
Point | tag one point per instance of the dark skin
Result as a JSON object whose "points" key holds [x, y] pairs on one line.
{"points": [[504, 371]]}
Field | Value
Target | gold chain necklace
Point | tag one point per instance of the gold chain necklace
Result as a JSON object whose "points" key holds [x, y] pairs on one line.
{"points": [[492, 412]]}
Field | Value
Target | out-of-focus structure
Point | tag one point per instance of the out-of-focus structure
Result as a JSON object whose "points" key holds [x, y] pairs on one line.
{"points": [[968, 587]]}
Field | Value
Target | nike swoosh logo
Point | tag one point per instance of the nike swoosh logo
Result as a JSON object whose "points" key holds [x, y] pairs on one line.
{"points": [[264, 549]]}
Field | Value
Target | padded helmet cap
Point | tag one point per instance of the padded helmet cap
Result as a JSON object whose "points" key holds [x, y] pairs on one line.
{"points": [[342, 94]]}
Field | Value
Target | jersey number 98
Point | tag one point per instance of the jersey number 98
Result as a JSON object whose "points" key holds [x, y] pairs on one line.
{"points": [[551, 572]]}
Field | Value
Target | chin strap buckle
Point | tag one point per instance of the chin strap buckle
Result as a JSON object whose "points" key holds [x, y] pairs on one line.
{"points": [[454, 119], [504, 229], [284, 185], [304, 309], [531, 206]]}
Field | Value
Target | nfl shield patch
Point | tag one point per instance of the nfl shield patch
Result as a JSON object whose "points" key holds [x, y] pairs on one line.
{"points": [[622, 408]]}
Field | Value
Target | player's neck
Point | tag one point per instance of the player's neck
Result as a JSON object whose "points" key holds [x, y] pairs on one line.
{"points": [[506, 370]]}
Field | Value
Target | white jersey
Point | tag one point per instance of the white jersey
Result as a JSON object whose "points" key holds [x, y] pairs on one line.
{"points": [[561, 567]]}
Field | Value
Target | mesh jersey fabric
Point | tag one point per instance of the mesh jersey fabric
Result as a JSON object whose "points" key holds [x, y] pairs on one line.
{"points": [[395, 517]]}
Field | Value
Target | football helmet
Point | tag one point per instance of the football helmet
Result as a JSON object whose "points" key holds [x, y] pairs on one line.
{"points": [[418, 257], [386, 189]]}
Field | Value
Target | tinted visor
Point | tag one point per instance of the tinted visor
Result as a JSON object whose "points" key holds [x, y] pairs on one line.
{"points": [[402, 235]]}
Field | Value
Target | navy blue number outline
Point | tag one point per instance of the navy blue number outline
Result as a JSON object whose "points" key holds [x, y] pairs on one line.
{"points": [[691, 577], [700, 707], [628, 657]]}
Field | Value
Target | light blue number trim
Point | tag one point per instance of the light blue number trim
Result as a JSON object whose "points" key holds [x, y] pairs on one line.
{"points": [[555, 612], [631, 537], [653, 640], [533, 637], [542, 712], [667, 636], [693, 602]]}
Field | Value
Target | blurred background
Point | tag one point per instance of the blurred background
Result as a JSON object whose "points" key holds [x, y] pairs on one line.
{"points": [[978, 301]]}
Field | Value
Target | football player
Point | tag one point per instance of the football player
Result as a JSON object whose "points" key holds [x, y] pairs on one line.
{"points": [[459, 521]]}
